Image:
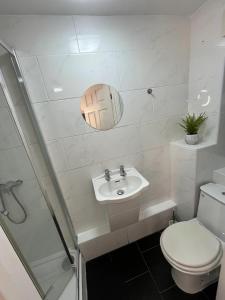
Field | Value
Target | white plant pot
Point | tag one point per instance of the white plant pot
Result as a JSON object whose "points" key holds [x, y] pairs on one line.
{"points": [[192, 139]]}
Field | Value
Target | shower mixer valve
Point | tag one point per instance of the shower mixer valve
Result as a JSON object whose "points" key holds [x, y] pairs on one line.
{"points": [[8, 188]]}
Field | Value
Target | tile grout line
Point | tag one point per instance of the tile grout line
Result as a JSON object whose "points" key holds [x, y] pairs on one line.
{"points": [[135, 277], [170, 287], [150, 273], [146, 250]]}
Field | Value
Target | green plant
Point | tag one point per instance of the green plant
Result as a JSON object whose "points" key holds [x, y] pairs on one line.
{"points": [[192, 123]]}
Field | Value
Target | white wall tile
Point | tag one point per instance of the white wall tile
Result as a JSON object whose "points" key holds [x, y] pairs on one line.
{"points": [[107, 33], [133, 160], [173, 131], [156, 170], [114, 143], [60, 119], [104, 244], [209, 131], [87, 219], [121, 208], [153, 134], [152, 68], [77, 151], [15, 165], [137, 107], [33, 79], [38, 160], [57, 156], [70, 153], [184, 168], [148, 226], [79, 194], [26, 124], [140, 107], [38, 34], [73, 74], [122, 220], [170, 100], [8, 135]]}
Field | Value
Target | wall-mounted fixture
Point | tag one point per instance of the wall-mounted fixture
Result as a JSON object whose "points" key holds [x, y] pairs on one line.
{"points": [[108, 188], [101, 106], [120, 193], [149, 91], [204, 97]]}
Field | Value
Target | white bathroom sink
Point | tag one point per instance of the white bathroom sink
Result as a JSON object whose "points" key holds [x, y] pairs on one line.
{"points": [[119, 189]]}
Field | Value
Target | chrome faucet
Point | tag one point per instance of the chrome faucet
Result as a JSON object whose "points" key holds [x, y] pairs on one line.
{"points": [[122, 171], [107, 175]]}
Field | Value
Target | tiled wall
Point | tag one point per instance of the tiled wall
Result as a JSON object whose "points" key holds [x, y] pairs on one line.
{"points": [[61, 56], [193, 166], [207, 72], [207, 65]]}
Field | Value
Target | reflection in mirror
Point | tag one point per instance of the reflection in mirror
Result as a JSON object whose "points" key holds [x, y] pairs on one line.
{"points": [[101, 106]]}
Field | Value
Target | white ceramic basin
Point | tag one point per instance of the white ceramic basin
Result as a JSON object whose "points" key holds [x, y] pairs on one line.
{"points": [[119, 189]]}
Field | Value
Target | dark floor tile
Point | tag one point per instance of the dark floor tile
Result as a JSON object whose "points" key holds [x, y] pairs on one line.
{"points": [[102, 280], [176, 294], [210, 291], [149, 241], [159, 267], [141, 288], [128, 262]]}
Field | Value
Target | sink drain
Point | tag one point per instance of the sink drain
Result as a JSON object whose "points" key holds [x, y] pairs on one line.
{"points": [[120, 192]]}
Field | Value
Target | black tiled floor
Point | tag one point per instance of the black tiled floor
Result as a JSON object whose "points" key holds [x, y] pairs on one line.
{"points": [[128, 262], [141, 288], [102, 279], [176, 294], [149, 241], [159, 267], [137, 271]]}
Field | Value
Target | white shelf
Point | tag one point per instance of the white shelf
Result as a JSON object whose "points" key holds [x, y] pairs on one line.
{"points": [[202, 145], [93, 233], [147, 212]]}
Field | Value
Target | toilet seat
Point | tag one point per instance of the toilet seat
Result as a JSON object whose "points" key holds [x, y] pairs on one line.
{"points": [[191, 248]]}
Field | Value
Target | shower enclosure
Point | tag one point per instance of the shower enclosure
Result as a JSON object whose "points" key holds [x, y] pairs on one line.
{"points": [[32, 210]]}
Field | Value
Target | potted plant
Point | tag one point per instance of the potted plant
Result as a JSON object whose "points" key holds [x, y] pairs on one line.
{"points": [[191, 125]]}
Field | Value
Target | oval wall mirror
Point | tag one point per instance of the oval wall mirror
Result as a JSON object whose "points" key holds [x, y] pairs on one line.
{"points": [[101, 106]]}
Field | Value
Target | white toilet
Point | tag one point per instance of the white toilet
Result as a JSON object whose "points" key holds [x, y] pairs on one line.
{"points": [[194, 248]]}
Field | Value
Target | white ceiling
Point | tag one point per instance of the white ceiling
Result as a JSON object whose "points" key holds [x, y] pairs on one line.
{"points": [[99, 7]]}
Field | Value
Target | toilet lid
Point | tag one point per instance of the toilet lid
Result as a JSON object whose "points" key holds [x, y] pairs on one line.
{"points": [[190, 244]]}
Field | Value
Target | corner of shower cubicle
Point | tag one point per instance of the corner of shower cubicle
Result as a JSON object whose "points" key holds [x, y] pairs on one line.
{"points": [[62, 220]]}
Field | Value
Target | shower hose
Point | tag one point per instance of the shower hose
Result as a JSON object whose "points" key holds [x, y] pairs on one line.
{"points": [[9, 189]]}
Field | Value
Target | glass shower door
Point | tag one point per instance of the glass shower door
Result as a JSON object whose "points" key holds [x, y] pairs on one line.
{"points": [[24, 213]]}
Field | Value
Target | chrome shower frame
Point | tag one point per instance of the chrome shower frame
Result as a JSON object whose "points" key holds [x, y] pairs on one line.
{"points": [[25, 92]]}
